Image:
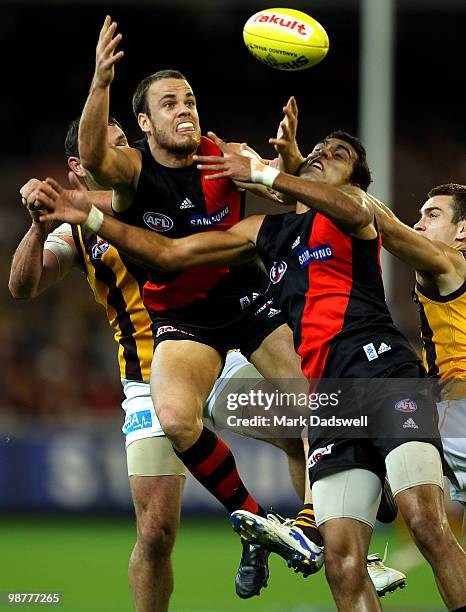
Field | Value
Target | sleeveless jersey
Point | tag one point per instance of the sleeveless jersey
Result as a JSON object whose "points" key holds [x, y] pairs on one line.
{"points": [[178, 202], [329, 286], [117, 284], [443, 332]]}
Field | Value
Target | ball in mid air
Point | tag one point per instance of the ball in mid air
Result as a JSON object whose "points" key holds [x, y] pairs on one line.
{"points": [[285, 39]]}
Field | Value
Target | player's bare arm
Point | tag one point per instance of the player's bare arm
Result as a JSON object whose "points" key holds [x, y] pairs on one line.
{"points": [[235, 245], [348, 207], [34, 269], [110, 166], [435, 263], [101, 199]]}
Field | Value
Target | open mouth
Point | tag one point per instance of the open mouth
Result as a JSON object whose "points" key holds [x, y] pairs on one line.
{"points": [[317, 164], [186, 126]]}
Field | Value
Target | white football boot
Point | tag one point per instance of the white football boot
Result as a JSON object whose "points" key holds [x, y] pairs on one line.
{"points": [[280, 536], [385, 579]]}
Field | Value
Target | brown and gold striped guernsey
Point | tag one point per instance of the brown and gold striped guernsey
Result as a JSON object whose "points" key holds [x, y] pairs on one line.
{"points": [[443, 332], [117, 284]]}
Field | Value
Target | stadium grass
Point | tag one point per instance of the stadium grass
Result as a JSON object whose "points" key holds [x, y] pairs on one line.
{"points": [[86, 560]]}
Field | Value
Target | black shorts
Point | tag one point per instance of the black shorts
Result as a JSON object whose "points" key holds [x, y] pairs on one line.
{"points": [[246, 332], [399, 407]]}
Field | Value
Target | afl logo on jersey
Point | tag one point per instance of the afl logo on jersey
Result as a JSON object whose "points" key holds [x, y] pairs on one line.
{"points": [[158, 222], [99, 249], [406, 406], [277, 271]]}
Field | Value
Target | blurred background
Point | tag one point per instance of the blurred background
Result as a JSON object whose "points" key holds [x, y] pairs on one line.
{"points": [[393, 76]]}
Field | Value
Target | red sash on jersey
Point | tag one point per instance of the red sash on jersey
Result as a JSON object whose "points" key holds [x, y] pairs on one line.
{"points": [[194, 283]]}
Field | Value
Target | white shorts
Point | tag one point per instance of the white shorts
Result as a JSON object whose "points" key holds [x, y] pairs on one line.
{"points": [[452, 422], [140, 418], [234, 363]]}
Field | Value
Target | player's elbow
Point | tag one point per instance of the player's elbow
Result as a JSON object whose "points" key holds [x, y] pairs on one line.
{"points": [[360, 217], [19, 292], [162, 257], [92, 161]]}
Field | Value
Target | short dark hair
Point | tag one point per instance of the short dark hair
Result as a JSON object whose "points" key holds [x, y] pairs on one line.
{"points": [[71, 139], [361, 174], [458, 193], [140, 94]]}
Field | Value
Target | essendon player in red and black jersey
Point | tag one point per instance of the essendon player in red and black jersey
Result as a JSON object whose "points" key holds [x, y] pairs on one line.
{"points": [[197, 316], [333, 296], [338, 230], [178, 202]]}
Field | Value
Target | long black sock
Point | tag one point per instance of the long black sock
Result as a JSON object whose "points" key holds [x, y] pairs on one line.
{"points": [[211, 462]]}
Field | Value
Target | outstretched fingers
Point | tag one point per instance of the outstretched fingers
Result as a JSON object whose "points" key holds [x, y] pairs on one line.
{"points": [[221, 144], [208, 159], [218, 175]]}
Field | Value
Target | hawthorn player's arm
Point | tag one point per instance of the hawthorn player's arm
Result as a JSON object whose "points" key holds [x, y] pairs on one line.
{"points": [[236, 245], [421, 253]]}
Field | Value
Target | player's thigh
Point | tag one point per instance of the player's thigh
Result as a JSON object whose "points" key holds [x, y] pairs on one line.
{"points": [[348, 493], [276, 358], [414, 471], [182, 375], [238, 378], [414, 463], [153, 456], [452, 426]]}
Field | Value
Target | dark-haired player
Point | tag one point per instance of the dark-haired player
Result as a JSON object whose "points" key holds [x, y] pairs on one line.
{"points": [[325, 267], [156, 474], [197, 315], [436, 249]]}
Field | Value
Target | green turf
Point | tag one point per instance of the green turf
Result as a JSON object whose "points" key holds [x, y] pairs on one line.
{"points": [[86, 560]]}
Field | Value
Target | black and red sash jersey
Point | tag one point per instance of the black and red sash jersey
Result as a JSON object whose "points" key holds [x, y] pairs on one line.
{"points": [[329, 287], [178, 202]]}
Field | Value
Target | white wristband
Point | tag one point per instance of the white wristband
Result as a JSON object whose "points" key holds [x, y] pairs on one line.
{"points": [[94, 220], [260, 173]]}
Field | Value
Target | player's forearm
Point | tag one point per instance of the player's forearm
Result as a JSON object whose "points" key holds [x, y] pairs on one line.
{"points": [[27, 264], [167, 254], [329, 201], [149, 248], [93, 145], [411, 247], [292, 162]]}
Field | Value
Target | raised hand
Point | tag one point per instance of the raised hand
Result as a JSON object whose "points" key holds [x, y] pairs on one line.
{"points": [[54, 203], [28, 198], [285, 142], [105, 56], [232, 165]]}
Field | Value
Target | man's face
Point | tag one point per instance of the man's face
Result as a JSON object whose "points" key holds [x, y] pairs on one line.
{"points": [[173, 120], [331, 161], [436, 220], [116, 137]]}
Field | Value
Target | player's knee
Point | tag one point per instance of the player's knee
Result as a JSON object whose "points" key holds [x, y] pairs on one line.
{"points": [[345, 570], [156, 536], [177, 424], [430, 531]]}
